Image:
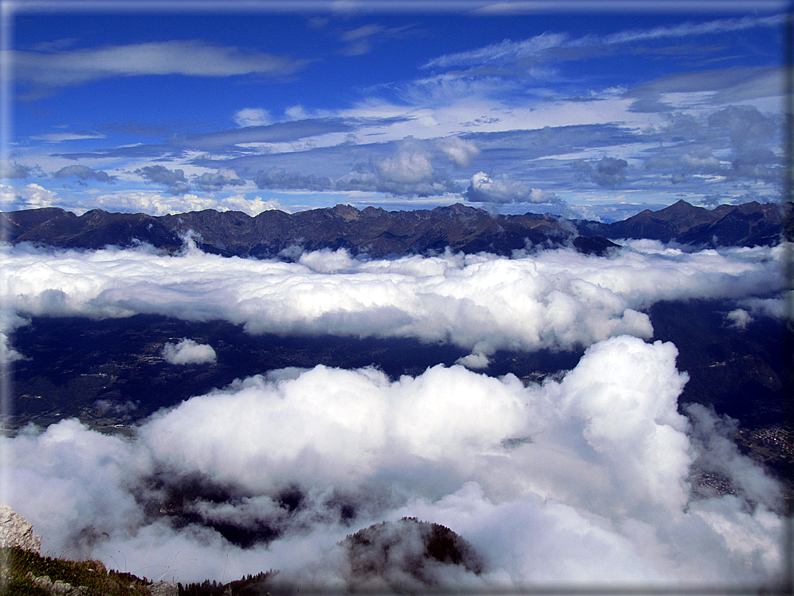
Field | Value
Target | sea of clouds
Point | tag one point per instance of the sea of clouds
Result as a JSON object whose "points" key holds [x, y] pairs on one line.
{"points": [[582, 480], [554, 299]]}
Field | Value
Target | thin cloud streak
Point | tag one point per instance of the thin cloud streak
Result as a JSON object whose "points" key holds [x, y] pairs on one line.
{"points": [[188, 57], [539, 46]]}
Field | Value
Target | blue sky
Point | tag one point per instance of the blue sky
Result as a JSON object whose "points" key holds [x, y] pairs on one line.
{"points": [[591, 109]]}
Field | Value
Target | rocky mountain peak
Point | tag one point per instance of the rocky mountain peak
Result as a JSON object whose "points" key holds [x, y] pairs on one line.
{"points": [[346, 212]]}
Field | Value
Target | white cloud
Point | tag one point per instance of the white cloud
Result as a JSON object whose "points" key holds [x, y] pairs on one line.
{"points": [[474, 360], [691, 29], [407, 167], [538, 47], [31, 196], [503, 52], [407, 172], [188, 351], [155, 203], [59, 137], [459, 151], [185, 57], [556, 299], [777, 307], [252, 117], [8, 322], [583, 480], [484, 189], [252, 207], [739, 318]]}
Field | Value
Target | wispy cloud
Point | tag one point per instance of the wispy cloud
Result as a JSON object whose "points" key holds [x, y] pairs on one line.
{"points": [[59, 137], [546, 46], [361, 40], [183, 57]]}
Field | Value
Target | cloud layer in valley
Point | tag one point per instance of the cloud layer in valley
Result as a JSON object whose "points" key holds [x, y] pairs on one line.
{"points": [[554, 299], [594, 470]]}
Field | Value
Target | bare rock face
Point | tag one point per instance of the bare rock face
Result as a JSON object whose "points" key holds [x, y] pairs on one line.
{"points": [[16, 531], [164, 589]]}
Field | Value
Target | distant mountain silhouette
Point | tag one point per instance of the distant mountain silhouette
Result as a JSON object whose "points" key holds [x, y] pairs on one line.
{"points": [[382, 233], [748, 224]]}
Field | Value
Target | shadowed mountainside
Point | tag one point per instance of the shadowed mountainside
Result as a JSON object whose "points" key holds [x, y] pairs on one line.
{"points": [[748, 224], [270, 234], [380, 233]]}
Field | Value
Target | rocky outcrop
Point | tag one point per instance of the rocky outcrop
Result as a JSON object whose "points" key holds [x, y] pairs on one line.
{"points": [[16, 531], [57, 587], [164, 589]]}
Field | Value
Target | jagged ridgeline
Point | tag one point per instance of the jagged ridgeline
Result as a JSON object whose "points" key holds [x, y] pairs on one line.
{"points": [[380, 233]]}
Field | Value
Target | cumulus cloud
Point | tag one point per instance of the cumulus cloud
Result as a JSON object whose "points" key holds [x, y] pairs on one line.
{"points": [[739, 318], [608, 172], [458, 151], [83, 173], [216, 181], [8, 322], [556, 299], [408, 172], [188, 351], [777, 306], [484, 189], [252, 117], [712, 436], [31, 196], [733, 142], [252, 207], [279, 178], [152, 203], [475, 360], [174, 179], [751, 133], [582, 480], [407, 167], [10, 169], [155, 203], [177, 183]]}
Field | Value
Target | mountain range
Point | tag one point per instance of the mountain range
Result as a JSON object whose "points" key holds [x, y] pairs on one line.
{"points": [[379, 233]]}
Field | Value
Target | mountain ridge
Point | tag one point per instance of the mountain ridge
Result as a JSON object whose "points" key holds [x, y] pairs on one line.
{"points": [[381, 233]]}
